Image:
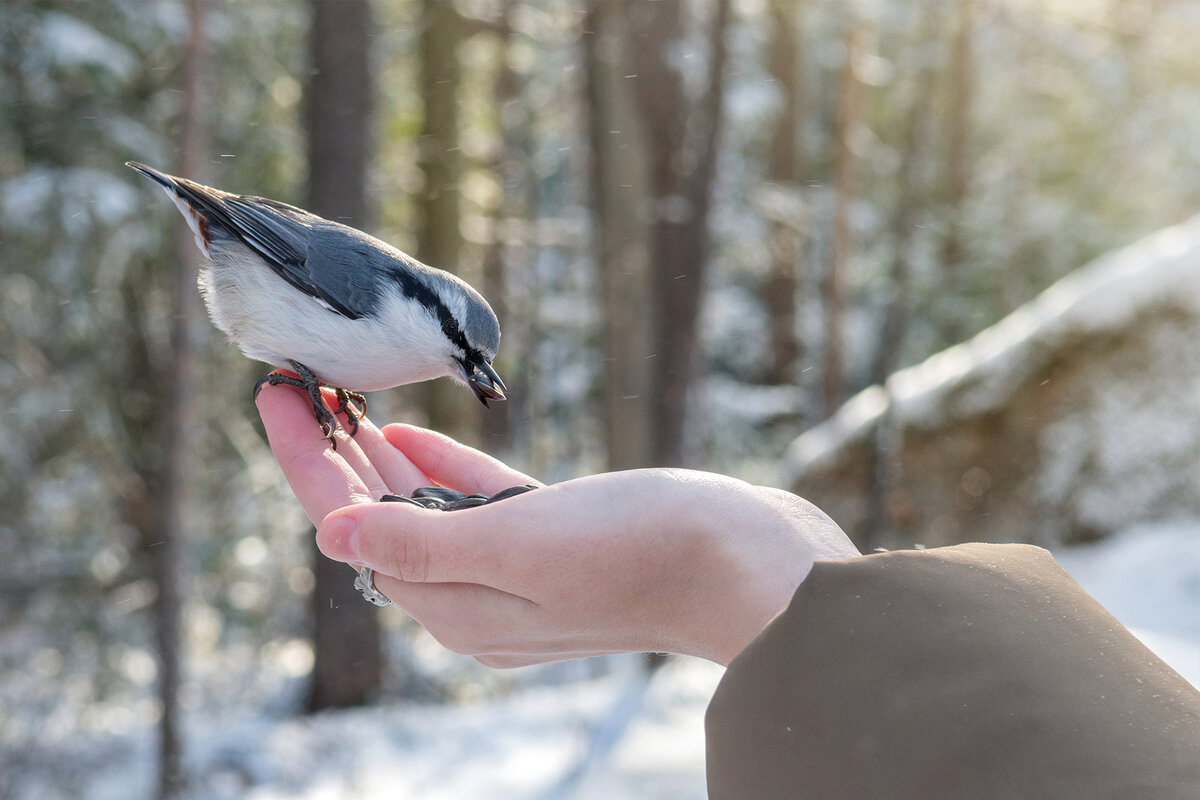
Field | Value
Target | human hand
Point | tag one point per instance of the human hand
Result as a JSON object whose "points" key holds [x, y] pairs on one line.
{"points": [[646, 560]]}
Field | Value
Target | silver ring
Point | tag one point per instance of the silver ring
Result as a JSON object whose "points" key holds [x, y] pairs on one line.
{"points": [[365, 583]]}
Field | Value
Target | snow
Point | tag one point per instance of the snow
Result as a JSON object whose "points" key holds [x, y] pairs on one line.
{"points": [[1161, 271], [626, 734], [1149, 578]]}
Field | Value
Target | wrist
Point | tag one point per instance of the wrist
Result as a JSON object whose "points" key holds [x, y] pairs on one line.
{"points": [[761, 546]]}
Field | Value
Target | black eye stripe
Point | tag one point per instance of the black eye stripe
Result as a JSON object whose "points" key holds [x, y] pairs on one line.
{"points": [[417, 290]]}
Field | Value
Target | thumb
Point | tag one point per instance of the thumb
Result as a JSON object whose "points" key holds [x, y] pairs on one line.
{"points": [[406, 542]]}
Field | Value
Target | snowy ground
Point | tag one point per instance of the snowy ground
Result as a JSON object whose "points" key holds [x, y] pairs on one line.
{"points": [[621, 736], [1149, 578], [624, 735]]}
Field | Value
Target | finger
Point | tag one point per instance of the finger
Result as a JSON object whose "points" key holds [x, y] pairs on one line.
{"points": [[464, 617], [498, 628], [320, 477], [452, 464], [422, 545], [351, 450], [514, 660], [397, 471]]}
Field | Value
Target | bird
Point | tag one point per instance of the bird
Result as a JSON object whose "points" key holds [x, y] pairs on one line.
{"points": [[336, 306]]}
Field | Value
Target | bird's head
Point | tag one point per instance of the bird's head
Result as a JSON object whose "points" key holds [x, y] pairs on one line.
{"points": [[473, 332]]}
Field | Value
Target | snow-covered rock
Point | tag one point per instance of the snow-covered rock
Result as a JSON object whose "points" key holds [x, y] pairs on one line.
{"points": [[1075, 416]]}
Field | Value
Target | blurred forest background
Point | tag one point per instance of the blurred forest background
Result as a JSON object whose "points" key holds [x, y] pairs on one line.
{"points": [[703, 224]]}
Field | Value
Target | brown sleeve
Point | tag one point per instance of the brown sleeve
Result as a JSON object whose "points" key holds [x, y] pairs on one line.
{"points": [[974, 671]]}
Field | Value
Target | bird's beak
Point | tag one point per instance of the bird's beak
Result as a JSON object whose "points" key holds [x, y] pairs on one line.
{"points": [[486, 384]]}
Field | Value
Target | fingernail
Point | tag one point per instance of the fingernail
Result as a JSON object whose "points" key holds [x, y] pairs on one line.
{"points": [[338, 538]]}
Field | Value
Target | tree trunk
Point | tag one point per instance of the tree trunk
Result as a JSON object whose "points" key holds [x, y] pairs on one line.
{"points": [[845, 168], [910, 198], [784, 231], [682, 134], [447, 407], [516, 207], [620, 187], [181, 414], [883, 476], [957, 135], [348, 660], [339, 111]]}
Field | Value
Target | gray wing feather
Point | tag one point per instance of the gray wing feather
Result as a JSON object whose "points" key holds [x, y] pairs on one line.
{"points": [[280, 240], [320, 258], [335, 264], [348, 267]]}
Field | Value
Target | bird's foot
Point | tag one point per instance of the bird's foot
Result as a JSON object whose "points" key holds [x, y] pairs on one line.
{"points": [[353, 405], [308, 381]]}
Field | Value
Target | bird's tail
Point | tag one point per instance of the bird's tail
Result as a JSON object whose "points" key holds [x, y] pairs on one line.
{"points": [[184, 194], [161, 178]]}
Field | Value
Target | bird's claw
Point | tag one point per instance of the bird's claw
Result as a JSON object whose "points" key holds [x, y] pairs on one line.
{"points": [[352, 404]]}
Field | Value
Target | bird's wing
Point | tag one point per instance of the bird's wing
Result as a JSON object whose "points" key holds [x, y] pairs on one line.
{"points": [[350, 268], [338, 268], [277, 236], [284, 240], [326, 260]]}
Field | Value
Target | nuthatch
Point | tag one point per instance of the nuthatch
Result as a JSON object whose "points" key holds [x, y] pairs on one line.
{"points": [[340, 308]]}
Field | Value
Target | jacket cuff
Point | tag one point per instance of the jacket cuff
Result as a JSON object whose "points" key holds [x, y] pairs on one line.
{"points": [[975, 670]]}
